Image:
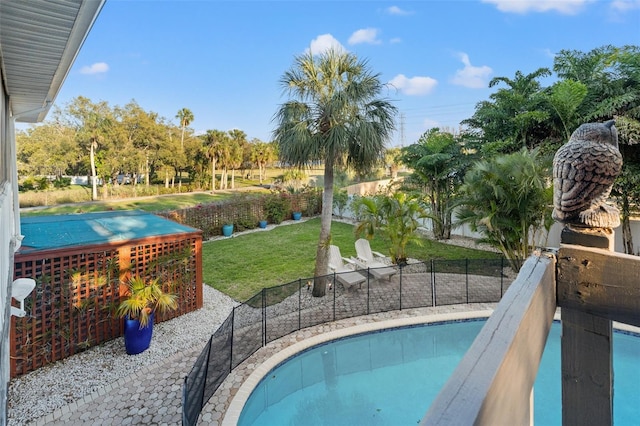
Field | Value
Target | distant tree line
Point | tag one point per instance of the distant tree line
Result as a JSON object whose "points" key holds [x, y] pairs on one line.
{"points": [[86, 138]]}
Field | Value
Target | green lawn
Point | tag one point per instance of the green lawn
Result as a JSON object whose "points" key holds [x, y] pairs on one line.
{"points": [[241, 266], [149, 204]]}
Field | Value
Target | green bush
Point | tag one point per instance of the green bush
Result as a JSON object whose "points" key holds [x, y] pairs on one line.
{"points": [[34, 184], [62, 182], [277, 207], [246, 222], [340, 200]]}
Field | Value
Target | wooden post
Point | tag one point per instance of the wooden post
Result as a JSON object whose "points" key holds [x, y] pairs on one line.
{"points": [[587, 371]]}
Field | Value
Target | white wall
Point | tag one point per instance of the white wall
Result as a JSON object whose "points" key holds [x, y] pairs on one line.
{"points": [[7, 230]]}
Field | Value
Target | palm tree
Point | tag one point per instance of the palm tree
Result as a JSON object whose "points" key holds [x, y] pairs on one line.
{"points": [[186, 117], [261, 154], [238, 139], [214, 140], [335, 116], [396, 216], [517, 115], [507, 199]]}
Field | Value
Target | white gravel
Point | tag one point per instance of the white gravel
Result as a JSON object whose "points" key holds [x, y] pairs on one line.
{"points": [[41, 392]]}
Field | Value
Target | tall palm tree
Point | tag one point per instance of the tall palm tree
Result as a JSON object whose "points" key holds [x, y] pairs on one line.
{"points": [[334, 115], [186, 117], [214, 140], [238, 140]]}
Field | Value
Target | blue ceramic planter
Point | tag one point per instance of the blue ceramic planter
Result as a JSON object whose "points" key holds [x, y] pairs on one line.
{"points": [[136, 339], [262, 224], [297, 215], [227, 230]]}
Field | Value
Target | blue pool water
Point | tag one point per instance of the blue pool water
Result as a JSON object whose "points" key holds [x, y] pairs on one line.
{"points": [[391, 377]]}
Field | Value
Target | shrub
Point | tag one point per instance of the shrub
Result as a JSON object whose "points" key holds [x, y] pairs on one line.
{"points": [[277, 207], [246, 222], [62, 182], [340, 200]]}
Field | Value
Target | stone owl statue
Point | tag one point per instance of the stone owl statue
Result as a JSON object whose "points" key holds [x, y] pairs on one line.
{"points": [[583, 173]]}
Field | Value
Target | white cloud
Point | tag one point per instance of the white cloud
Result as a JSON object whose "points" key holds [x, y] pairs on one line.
{"points": [[323, 43], [413, 85], [470, 76], [366, 35], [97, 68], [625, 5], [567, 7], [395, 10], [395, 40]]}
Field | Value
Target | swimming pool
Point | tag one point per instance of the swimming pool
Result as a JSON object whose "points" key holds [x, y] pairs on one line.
{"points": [[391, 377]]}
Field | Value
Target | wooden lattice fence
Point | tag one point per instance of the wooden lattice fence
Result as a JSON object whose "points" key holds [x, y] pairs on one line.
{"points": [[78, 290], [243, 211]]}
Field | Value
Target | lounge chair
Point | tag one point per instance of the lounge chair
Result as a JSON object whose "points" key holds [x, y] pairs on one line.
{"points": [[345, 273], [369, 259]]}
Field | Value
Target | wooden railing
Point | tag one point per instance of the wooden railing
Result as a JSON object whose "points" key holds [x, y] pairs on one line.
{"points": [[493, 382]]}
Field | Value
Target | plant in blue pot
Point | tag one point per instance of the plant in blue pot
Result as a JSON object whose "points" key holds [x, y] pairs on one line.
{"points": [[142, 300], [227, 229]]}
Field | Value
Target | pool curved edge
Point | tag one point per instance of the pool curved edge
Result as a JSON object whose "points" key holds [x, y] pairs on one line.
{"points": [[232, 415]]}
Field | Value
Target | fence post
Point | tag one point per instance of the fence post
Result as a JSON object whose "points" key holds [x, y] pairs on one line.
{"points": [[264, 316], [400, 287], [501, 277], [466, 276], [206, 373], [299, 303], [334, 296], [233, 320], [368, 286], [433, 283]]}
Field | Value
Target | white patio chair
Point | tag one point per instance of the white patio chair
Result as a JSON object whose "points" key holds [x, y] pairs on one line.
{"points": [[345, 273], [369, 259]]}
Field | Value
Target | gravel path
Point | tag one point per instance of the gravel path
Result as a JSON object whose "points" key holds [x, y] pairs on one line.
{"points": [[40, 392]]}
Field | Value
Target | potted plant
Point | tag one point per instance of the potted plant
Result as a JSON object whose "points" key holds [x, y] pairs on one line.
{"points": [[297, 215], [227, 229], [142, 300], [262, 224]]}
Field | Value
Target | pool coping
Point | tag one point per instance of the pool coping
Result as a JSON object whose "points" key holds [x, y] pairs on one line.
{"points": [[232, 414]]}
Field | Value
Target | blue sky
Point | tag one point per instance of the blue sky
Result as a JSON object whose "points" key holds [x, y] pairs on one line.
{"points": [[223, 59]]}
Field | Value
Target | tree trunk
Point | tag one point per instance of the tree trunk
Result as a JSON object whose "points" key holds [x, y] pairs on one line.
{"points": [[627, 237], [233, 178], [213, 175], [147, 177], [322, 253], [94, 178]]}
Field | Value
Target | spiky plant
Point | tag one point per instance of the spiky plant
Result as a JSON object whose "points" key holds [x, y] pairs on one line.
{"points": [[144, 298]]}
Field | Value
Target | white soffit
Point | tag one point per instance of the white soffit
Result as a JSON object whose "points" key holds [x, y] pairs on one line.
{"points": [[39, 40]]}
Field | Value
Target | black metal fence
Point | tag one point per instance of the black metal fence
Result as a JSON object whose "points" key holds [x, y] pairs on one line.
{"points": [[278, 311]]}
